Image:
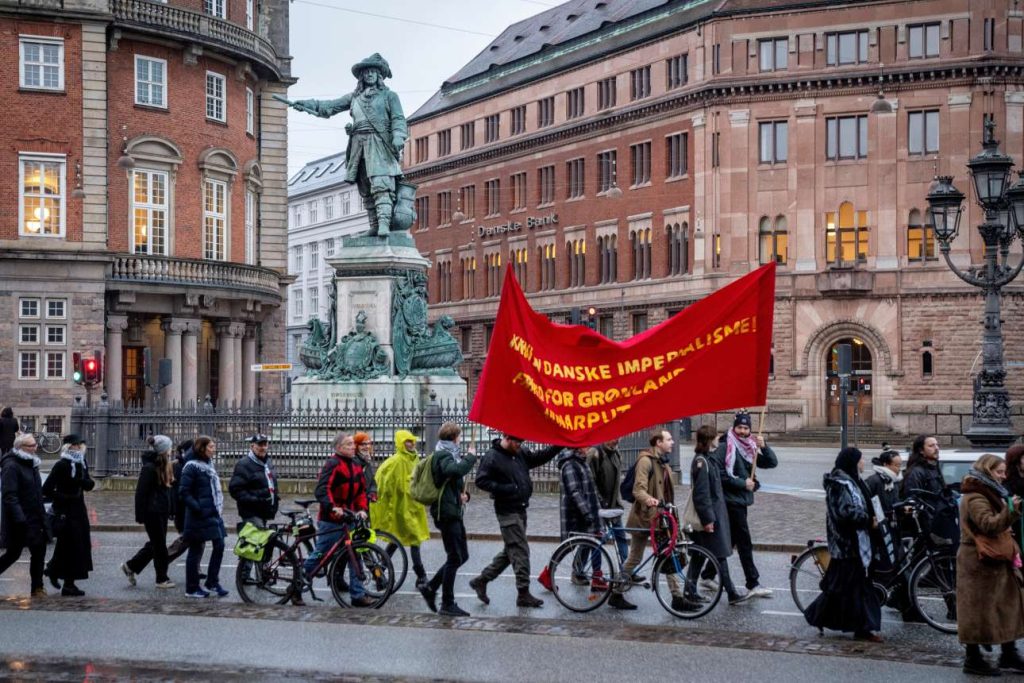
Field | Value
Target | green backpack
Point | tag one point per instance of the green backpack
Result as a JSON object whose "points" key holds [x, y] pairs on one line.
{"points": [[252, 542], [422, 487]]}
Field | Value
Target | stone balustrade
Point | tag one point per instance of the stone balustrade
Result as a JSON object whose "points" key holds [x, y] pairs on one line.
{"points": [[174, 271]]}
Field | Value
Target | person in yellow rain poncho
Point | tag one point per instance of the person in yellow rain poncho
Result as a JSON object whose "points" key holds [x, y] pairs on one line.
{"points": [[395, 511]]}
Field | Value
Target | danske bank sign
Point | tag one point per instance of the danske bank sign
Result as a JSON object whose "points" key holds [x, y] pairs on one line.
{"points": [[515, 226]]}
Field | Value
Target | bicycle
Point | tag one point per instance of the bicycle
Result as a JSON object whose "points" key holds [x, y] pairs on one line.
{"points": [[928, 566], [578, 588], [279, 575], [49, 442]]}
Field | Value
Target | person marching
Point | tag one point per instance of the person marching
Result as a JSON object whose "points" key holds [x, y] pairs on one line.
{"points": [[395, 510], [24, 515], [735, 459], [204, 503], [606, 465], [364, 454], [152, 510], [66, 486], [253, 484]]}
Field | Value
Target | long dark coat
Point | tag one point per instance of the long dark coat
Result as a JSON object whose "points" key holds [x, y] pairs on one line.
{"points": [[8, 429], [72, 558], [709, 500], [203, 521], [22, 500]]}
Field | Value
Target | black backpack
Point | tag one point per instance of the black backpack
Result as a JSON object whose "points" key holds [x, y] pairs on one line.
{"points": [[626, 487]]}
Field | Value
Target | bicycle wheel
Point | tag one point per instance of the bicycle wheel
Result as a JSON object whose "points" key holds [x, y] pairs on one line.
{"points": [[399, 557], [271, 582], [805, 575], [373, 569], [49, 442], [574, 581], [676, 593], [933, 591]]}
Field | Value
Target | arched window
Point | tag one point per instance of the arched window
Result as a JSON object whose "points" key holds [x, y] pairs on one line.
{"points": [[846, 236], [926, 364], [773, 240], [766, 246]]}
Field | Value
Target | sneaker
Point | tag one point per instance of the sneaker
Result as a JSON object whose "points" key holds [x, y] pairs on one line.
{"points": [[430, 596], [598, 583], [452, 610], [480, 587], [618, 601], [166, 584], [218, 590], [197, 593], [580, 580], [708, 584], [760, 592], [128, 573], [739, 598]]}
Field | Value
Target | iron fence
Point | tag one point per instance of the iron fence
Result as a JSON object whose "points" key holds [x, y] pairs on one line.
{"points": [[301, 436]]}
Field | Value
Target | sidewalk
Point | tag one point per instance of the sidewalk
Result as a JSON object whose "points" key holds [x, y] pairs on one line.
{"points": [[779, 523]]}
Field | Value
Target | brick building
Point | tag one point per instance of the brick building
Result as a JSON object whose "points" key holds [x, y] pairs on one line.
{"points": [[634, 157], [142, 198]]}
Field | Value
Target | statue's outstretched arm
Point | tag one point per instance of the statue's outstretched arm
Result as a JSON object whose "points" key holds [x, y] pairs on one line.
{"points": [[325, 109]]}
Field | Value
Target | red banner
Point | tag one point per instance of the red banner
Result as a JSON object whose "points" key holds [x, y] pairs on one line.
{"points": [[569, 385]]}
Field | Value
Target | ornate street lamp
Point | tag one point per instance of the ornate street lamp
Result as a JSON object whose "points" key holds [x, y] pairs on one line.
{"points": [[990, 172]]}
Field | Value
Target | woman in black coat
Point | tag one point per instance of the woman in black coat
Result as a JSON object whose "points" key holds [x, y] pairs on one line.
{"points": [[23, 521], [9, 428], [203, 501], [152, 509], [709, 501], [66, 486]]}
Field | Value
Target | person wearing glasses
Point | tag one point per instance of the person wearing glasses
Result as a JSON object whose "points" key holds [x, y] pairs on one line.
{"points": [[24, 517]]}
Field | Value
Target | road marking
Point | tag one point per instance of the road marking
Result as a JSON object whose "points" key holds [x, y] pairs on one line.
{"points": [[775, 613]]}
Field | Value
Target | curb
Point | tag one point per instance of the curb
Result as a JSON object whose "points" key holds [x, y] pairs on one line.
{"points": [[474, 536]]}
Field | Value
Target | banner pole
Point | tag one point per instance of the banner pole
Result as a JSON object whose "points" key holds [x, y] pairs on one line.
{"points": [[760, 431]]}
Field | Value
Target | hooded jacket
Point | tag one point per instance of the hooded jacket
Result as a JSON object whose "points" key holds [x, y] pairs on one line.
{"points": [[395, 511], [506, 475], [848, 518]]}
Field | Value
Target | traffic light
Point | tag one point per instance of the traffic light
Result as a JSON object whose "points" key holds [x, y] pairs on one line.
{"points": [[92, 370], [76, 364]]}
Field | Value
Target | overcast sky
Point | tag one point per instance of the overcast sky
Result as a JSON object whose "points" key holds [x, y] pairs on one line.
{"points": [[329, 36]]}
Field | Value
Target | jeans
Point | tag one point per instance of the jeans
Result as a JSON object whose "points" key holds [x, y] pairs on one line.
{"points": [[743, 543], [16, 543], [328, 533], [516, 551], [195, 556], [619, 534], [453, 535], [155, 550]]}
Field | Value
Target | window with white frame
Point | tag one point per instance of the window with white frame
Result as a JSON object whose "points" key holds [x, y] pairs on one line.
{"points": [[56, 309], [346, 203], [314, 214], [298, 259], [28, 308], [41, 188], [56, 335], [215, 102], [28, 334], [314, 302], [54, 365], [42, 63], [150, 81], [314, 256], [328, 208], [28, 365], [41, 353], [297, 303], [215, 8], [250, 111], [149, 212], [250, 14], [330, 247], [215, 220], [250, 227]]}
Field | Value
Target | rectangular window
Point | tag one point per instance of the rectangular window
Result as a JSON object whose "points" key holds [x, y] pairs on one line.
{"points": [[546, 182], [774, 142], [546, 112], [517, 118], [329, 207], [716, 158], [640, 156], [314, 256], [150, 81], [297, 303], [250, 18], [149, 212], [467, 132], [923, 132], [492, 128], [848, 47], [42, 186], [42, 63], [28, 365], [215, 220], [215, 8], [467, 200], [574, 103], [444, 208], [716, 59], [846, 241], [29, 308], [28, 334], [250, 226], [773, 54], [444, 143], [606, 93], [298, 259], [422, 149], [346, 203], [640, 83], [639, 322], [846, 137], [677, 69], [492, 197], [250, 111], [606, 170], [54, 365], [56, 309], [923, 40], [422, 213], [314, 302], [216, 108], [677, 151], [314, 212], [989, 34], [574, 172], [920, 240], [518, 191]]}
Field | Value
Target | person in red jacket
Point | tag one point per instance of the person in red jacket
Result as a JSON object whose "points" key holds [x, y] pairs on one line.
{"points": [[340, 487]]}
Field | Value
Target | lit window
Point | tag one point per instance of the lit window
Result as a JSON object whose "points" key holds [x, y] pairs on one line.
{"points": [[149, 212], [42, 182], [846, 243]]}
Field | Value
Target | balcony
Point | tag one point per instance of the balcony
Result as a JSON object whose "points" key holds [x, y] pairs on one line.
{"points": [[198, 27], [188, 273], [838, 282]]}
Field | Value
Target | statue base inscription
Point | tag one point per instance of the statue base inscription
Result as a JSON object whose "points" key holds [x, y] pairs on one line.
{"points": [[412, 392]]}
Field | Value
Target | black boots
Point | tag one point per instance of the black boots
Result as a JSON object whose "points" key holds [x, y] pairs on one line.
{"points": [[526, 599], [1010, 659], [976, 664], [479, 585]]}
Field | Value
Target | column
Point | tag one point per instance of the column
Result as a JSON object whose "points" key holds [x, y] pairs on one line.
{"points": [[190, 361], [172, 350], [248, 359], [238, 330], [116, 325], [226, 370]]}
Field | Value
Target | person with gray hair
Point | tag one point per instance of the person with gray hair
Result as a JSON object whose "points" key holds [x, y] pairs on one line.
{"points": [[152, 510], [24, 517]]}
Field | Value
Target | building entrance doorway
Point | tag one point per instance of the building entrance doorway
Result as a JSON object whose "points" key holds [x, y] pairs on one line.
{"points": [[858, 404]]}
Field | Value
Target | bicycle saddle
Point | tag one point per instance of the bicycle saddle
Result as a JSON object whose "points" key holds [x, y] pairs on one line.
{"points": [[305, 503], [610, 513]]}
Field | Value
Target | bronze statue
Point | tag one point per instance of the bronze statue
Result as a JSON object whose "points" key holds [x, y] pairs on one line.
{"points": [[376, 139]]}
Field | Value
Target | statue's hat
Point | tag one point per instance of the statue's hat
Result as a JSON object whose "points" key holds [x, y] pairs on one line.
{"points": [[374, 61]]}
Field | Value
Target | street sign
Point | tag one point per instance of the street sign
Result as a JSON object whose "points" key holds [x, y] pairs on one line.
{"points": [[270, 367]]}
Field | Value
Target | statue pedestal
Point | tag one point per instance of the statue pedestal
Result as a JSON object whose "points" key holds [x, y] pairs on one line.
{"points": [[413, 392]]}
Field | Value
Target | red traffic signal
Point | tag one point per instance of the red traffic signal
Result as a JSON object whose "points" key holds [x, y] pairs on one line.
{"points": [[92, 370]]}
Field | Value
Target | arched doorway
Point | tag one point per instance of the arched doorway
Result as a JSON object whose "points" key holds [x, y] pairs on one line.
{"points": [[858, 405]]}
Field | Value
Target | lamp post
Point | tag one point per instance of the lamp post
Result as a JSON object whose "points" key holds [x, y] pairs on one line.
{"points": [[990, 173]]}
